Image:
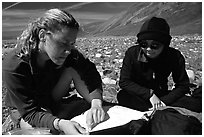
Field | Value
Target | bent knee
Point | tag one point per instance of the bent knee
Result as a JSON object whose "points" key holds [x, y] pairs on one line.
{"points": [[72, 72], [122, 95]]}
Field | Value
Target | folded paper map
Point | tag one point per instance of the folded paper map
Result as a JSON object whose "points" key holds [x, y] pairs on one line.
{"points": [[116, 116]]}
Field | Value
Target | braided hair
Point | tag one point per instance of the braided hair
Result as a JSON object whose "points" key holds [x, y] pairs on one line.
{"points": [[52, 20]]}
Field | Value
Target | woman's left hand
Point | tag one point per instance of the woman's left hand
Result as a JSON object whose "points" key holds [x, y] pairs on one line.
{"points": [[156, 102], [95, 114]]}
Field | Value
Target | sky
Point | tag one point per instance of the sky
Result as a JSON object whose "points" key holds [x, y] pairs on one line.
{"points": [[16, 15]]}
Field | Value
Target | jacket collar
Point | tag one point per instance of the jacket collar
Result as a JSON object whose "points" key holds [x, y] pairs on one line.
{"points": [[33, 62]]}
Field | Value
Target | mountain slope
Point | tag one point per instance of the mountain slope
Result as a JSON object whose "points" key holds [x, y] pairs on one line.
{"points": [[16, 15], [183, 18]]}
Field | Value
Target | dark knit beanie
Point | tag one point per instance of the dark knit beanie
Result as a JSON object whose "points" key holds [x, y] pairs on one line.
{"points": [[155, 29]]}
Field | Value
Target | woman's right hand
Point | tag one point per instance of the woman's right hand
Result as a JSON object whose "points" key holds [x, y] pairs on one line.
{"points": [[71, 128], [156, 102]]}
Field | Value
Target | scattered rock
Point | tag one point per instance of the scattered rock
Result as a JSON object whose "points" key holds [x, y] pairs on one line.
{"points": [[107, 71], [191, 75], [108, 53], [108, 81]]}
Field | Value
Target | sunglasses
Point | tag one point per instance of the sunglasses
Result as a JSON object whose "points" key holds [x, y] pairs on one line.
{"points": [[154, 45]]}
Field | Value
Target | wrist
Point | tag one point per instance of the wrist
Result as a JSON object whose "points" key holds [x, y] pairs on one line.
{"points": [[56, 124], [96, 103], [151, 92]]}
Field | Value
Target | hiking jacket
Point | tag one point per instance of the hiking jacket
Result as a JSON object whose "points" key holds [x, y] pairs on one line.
{"points": [[140, 74], [29, 87]]}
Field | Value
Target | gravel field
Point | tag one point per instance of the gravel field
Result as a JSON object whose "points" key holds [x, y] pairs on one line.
{"points": [[108, 52]]}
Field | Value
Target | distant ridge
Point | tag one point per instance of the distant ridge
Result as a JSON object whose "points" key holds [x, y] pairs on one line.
{"points": [[183, 18]]}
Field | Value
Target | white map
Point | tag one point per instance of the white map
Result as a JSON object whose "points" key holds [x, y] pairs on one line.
{"points": [[116, 116]]}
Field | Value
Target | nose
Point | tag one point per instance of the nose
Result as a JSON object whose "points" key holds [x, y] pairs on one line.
{"points": [[148, 48], [67, 52]]}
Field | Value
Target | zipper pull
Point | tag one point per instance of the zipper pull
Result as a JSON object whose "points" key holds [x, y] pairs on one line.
{"points": [[153, 75]]}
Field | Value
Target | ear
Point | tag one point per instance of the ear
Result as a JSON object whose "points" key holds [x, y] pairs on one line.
{"points": [[41, 35]]}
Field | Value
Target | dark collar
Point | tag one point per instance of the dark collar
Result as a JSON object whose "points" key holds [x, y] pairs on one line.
{"points": [[33, 62]]}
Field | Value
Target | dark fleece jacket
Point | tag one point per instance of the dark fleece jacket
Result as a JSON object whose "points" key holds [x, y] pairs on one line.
{"points": [[29, 87], [140, 74]]}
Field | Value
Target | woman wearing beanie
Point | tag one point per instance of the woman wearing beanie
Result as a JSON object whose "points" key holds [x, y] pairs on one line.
{"points": [[147, 66]]}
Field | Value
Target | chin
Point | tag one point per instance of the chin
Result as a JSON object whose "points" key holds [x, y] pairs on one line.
{"points": [[152, 56], [58, 62]]}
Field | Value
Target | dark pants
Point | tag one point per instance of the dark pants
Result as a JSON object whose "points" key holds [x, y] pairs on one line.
{"points": [[133, 102], [71, 107], [193, 103]]}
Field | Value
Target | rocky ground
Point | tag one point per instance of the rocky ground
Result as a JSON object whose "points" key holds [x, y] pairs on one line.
{"points": [[108, 53]]}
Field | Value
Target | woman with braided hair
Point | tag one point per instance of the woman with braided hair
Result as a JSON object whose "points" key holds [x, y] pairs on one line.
{"points": [[39, 70]]}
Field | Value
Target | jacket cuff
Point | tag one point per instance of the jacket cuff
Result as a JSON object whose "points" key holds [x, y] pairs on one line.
{"points": [[166, 100], [96, 94], [51, 126]]}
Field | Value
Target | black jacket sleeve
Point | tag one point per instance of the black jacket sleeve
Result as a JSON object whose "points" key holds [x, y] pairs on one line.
{"points": [[180, 79], [20, 94], [126, 83]]}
